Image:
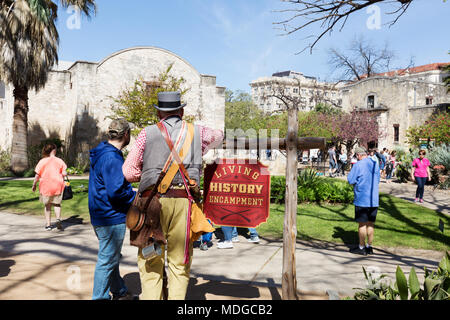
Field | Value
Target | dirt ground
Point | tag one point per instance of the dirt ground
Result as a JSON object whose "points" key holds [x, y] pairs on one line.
{"points": [[31, 277]]}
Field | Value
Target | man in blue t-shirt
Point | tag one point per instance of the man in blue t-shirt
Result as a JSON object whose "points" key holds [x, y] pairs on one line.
{"points": [[365, 177]]}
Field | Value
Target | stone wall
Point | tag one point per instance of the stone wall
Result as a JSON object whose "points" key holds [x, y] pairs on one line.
{"points": [[397, 102], [75, 103]]}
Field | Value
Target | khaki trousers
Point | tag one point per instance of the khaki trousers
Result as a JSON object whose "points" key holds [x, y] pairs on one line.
{"points": [[173, 222]]}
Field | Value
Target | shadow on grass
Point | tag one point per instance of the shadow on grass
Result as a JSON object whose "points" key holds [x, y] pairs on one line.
{"points": [[349, 238], [6, 205], [387, 204]]}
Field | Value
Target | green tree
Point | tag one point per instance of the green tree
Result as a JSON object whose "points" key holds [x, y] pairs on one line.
{"points": [[136, 103], [242, 113], [436, 128], [28, 50], [326, 108]]}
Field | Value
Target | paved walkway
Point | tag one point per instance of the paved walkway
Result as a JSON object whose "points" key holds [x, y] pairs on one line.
{"points": [[435, 199], [38, 264]]}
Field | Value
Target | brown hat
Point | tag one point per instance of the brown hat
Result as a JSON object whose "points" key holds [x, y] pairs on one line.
{"points": [[118, 128]]}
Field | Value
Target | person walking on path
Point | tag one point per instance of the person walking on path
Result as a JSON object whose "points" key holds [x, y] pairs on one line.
{"points": [[365, 177], [110, 197], [144, 163], [342, 162], [231, 236], [391, 164], [50, 172], [382, 156], [254, 237], [332, 160], [420, 173]]}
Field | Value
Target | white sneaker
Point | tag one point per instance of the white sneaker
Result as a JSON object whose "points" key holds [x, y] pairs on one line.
{"points": [[225, 245], [235, 239], [254, 239]]}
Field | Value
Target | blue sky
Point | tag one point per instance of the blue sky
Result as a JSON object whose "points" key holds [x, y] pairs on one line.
{"points": [[236, 40]]}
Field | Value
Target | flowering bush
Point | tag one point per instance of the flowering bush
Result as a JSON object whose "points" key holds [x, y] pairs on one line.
{"points": [[436, 128]]}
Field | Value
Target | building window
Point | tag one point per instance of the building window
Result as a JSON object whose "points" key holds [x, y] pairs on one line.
{"points": [[370, 102], [428, 100], [396, 133], [295, 90]]}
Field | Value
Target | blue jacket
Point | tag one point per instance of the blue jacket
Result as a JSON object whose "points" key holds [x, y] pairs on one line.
{"points": [[110, 195], [365, 176]]}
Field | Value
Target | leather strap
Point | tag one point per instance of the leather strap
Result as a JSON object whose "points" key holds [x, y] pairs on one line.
{"points": [[178, 163], [171, 193]]}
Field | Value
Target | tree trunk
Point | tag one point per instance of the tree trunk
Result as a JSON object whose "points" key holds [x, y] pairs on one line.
{"points": [[19, 156], [289, 279]]}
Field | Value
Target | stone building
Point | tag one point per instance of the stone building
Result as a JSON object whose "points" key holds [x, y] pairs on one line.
{"points": [[77, 99], [401, 99], [308, 89]]}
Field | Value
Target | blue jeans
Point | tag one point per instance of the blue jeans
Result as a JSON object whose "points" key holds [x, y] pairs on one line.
{"points": [[231, 232], [253, 232], [107, 276], [420, 187]]}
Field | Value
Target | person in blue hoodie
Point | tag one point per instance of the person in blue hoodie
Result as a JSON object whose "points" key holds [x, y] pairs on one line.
{"points": [[110, 197], [365, 176]]}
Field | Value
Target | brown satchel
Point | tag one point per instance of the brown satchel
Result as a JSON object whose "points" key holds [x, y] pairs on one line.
{"points": [[143, 218]]}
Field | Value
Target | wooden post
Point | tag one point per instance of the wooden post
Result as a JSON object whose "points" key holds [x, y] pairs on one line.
{"points": [[291, 143], [289, 274]]}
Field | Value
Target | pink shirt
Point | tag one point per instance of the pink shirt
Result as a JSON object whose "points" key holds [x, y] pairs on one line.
{"points": [[421, 167], [132, 168], [51, 181]]}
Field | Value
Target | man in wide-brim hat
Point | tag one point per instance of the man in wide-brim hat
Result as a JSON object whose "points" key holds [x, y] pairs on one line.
{"points": [[144, 163]]}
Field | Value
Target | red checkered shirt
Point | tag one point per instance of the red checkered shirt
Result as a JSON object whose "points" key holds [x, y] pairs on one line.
{"points": [[132, 168]]}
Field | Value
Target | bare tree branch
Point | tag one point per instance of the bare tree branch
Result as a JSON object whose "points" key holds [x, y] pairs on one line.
{"points": [[361, 60], [329, 13]]}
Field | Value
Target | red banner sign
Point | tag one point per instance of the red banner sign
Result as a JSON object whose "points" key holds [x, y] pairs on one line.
{"points": [[237, 194]]}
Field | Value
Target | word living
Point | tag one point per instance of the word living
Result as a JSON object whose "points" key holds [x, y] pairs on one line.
{"points": [[241, 170]]}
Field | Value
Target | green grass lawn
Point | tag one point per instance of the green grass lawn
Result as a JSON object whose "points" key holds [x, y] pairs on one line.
{"points": [[399, 223], [16, 197]]}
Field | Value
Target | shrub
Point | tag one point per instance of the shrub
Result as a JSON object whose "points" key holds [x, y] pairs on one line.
{"points": [[440, 155], [5, 164], [277, 189], [312, 188], [74, 171]]}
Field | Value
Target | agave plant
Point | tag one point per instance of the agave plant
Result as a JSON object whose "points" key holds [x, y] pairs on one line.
{"points": [[436, 285], [28, 50]]}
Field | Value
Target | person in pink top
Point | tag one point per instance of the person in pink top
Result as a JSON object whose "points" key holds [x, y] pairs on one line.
{"points": [[421, 173], [50, 172]]}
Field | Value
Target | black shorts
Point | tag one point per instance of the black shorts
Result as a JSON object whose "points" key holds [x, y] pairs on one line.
{"points": [[366, 214]]}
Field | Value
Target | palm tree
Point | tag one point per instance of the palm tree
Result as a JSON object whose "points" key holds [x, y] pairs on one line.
{"points": [[28, 50]]}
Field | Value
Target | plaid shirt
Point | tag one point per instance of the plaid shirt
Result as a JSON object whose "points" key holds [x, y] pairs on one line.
{"points": [[132, 168]]}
